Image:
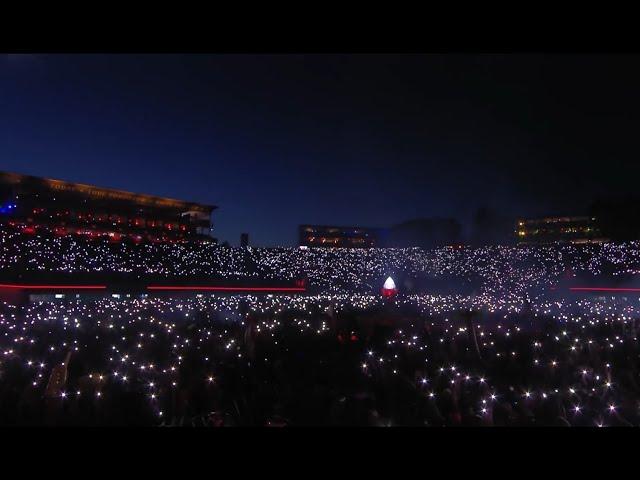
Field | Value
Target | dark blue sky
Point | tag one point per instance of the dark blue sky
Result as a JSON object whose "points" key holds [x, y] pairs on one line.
{"points": [[280, 140]]}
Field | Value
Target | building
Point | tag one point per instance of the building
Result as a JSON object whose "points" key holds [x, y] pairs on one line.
{"points": [[580, 229], [42, 205], [244, 240], [332, 236]]}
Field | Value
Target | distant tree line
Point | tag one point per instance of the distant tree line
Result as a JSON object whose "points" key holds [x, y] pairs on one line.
{"points": [[487, 227], [617, 217]]}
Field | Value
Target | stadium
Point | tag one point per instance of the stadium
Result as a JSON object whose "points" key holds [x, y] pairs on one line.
{"points": [[167, 328], [436, 241]]}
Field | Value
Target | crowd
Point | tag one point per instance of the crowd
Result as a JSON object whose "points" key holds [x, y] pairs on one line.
{"points": [[497, 270], [318, 360], [510, 353]]}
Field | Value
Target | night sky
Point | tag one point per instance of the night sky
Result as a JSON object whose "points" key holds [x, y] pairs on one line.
{"points": [[279, 140]]}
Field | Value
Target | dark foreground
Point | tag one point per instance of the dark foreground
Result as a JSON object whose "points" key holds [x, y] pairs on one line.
{"points": [[183, 362]]}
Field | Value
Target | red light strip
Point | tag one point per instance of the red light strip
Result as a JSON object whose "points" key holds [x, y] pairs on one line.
{"points": [[54, 287], [154, 287], [603, 289], [228, 289]]}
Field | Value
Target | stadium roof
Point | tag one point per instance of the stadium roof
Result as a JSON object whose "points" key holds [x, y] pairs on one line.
{"points": [[103, 193]]}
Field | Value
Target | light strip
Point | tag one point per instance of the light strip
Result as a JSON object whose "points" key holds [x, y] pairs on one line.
{"points": [[54, 287], [603, 289], [227, 289]]}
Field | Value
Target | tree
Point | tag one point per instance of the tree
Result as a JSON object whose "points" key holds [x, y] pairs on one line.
{"points": [[488, 227], [617, 218], [425, 233]]}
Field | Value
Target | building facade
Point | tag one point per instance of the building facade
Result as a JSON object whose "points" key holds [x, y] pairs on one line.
{"points": [[577, 229], [42, 205], [339, 237]]}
